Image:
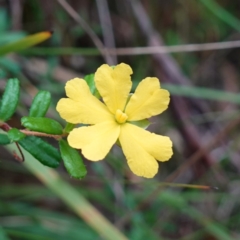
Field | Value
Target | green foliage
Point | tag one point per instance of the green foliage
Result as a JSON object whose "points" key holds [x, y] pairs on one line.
{"points": [[10, 99], [40, 104], [73, 228], [69, 127], [180, 203], [24, 43], [8, 65], [30, 210], [204, 93], [4, 139], [142, 123], [90, 81], [41, 150], [6, 36], [3, 235], [15, 135], [222, 13], [42, 124], [3, 20], [72, 160]]}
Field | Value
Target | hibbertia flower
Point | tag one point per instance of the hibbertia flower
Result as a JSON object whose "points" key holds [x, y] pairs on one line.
{"points": [[112, 118]]}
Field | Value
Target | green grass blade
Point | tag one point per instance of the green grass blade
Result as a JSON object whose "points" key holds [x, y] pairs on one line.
{"points": [[25, 43], [204, 93], [58, 51], [3, 235], [179, 203], [221, 13], [71, 197]]}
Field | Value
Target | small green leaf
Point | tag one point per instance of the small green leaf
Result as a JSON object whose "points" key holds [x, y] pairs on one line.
{"points": [[42, 124], [41, 150], [10, 99], [142, 123], [72, 160], [15, 135], [91, 83], [24, 43], [40, 104], [4, 140], [69, 127]]}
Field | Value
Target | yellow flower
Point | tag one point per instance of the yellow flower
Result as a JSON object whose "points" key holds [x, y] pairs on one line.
{"points": [[111, 119]]}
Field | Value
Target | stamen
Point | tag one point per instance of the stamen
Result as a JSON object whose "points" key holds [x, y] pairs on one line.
{"points": [[120, 116]]}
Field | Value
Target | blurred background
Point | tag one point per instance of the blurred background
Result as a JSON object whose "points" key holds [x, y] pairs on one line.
{"points": [[202, 119]]}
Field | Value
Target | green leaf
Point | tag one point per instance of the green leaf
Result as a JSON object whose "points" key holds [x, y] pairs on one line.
{"points": [[10, 99], [42, 124], [24, 43], [142, 123], [72, 160], [40, 104], [4, 140], [69, 127], [15, 135], [90, 82], [8, 37], [222, 13], [41, 150]]}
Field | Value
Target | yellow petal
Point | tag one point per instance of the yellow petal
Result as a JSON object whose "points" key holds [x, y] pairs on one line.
{"points": [[139, 160], [95, 141], [141, 148], [82, 106], [147, 101], [77, 87], [160, 147], [114, 85]]}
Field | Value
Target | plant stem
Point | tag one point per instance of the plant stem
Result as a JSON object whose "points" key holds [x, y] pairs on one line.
{"points": [[72, 198]]}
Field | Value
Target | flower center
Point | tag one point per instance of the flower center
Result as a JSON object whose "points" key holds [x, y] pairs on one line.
{"points": [[120, 116]]}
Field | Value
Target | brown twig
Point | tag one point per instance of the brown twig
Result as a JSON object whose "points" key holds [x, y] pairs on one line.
{"points": [[20, 159], [40, 134], [6, 128]]}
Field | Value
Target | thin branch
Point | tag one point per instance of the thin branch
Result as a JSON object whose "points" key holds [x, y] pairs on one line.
{"points": [[87, 28], [107, 27], [20, 159], [40, 134], [198, 47], [174, 49]]}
